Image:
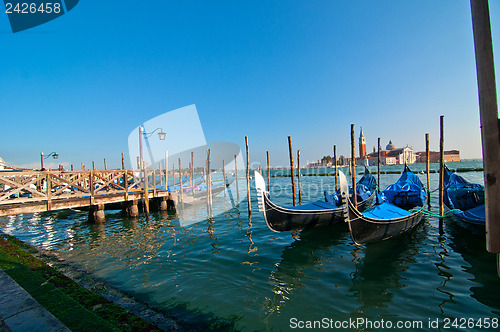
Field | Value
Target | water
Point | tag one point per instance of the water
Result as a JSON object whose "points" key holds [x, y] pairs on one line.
{"points": [[232, 271]]}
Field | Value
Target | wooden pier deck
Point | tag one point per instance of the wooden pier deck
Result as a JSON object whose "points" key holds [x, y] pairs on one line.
{"points": [[96, 190]]}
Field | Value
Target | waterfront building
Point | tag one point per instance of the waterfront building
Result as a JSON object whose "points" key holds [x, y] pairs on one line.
{"points": [[2, 163], [449, 156], [362, 144], [392, 156]]}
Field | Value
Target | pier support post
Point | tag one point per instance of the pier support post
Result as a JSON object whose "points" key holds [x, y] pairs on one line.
{"points": [[96, 213], [163, 204], [131, 208], [159, 203]]}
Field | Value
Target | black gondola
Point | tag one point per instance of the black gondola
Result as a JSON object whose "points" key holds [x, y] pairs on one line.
{"points": [[396, 210], [466, 200], [317, 214], [199, 194]]}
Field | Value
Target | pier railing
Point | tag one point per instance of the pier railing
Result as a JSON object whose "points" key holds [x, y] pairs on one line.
{"points": [[20, 189]]}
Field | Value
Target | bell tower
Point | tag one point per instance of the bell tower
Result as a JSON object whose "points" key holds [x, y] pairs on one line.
{"points": [[362, 144]]}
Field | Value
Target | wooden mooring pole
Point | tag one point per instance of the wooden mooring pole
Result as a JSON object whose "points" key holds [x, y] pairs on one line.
{"points": [[224, 176], [248, 177], [180, 181], [166, 170], [209, 184], [353, 167], [292, 173], [161, 177], [378, 163], [490, 132], [336, 171], [427, 170], [268, 175], [236, 178], [146, 189], [192, 172], [441, 172], [298, 175], [173, 174]]}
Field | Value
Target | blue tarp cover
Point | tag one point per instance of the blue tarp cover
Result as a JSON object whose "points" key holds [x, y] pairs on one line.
{"points": [[385, 211], [407, 192], [461, 194], [318, 205], [474, 215], [364, 189], [365, 185]]}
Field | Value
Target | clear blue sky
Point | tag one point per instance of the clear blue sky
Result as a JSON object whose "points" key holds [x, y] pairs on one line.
{"points": [[264, 69]]}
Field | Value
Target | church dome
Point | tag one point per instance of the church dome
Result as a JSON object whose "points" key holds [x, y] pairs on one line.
{"points": [[390, 146]]}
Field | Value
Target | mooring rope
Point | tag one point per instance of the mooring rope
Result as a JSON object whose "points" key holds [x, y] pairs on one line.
{"points": [[433, 214]]}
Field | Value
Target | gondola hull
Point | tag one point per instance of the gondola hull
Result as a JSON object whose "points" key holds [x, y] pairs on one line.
{"points": [[368, 230], [280, 219], [197, 197], [397, 210], [474, 226], [316, 214]]}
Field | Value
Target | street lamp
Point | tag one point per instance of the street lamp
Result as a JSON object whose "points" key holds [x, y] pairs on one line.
{"points": [[161, 137], [42, 157]]}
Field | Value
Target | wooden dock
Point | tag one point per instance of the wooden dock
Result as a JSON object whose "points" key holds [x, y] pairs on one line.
{"points": [[93, 190]]}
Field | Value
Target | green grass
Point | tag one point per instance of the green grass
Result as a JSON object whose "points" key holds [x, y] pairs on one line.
{"points": [[75, 306]]}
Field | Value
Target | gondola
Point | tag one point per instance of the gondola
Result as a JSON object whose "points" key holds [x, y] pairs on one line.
{"points": [[199, 194], [397, 210], [466, 200], [316, 214], [186, 183]]}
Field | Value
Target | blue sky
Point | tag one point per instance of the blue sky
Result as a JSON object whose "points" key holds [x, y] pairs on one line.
{"points": [[81, 83]]}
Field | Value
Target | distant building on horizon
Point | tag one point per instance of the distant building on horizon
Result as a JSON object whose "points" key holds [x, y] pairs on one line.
{"points": [[2, 163], [449, 156], [392, 156], [362, 144]]}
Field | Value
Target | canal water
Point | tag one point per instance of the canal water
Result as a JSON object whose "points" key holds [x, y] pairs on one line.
{"points": [[231, 272]]}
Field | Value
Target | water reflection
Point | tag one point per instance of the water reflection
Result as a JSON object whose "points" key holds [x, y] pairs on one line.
{"points": [[305, 252], [442, 253], [479, 263], [210, 231], [378, 269], [252, 248]]}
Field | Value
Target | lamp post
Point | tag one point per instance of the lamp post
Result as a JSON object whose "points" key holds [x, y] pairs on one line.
{"points": [[161, 136], [42, 157]]}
